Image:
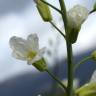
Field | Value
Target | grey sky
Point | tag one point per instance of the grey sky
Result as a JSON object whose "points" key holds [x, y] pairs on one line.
{"points": [[7, 6]]}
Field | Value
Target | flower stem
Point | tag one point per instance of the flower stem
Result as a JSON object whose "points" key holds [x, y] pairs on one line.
{"points": [[55, 78], [69, 50], [83, 61], [58, 29], [64, 15], [51, 6], [70, 69]]}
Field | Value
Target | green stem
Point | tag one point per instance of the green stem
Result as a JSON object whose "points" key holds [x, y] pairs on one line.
{"points": [[58, 29], [69, 50], [70, 69], [82, 61], [51, 6], [64, 15], [55, 78]]}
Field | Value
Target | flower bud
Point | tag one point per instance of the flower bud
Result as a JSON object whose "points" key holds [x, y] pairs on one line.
{"points": [[44, 11], [87, 90], [93, 55], [76, 16], [40, 65]]}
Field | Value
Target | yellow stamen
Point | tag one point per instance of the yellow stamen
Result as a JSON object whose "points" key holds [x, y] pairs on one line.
{"points": [[31, 55]]}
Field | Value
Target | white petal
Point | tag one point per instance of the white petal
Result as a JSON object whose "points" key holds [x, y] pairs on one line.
{"points": [[33, 42], [77, 15], [18, 56], [41, 51], [19, 45], [93, 78], [38, 56]]}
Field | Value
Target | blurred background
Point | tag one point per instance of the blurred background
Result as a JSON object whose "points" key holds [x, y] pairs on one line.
{"points": [[20, 18]]}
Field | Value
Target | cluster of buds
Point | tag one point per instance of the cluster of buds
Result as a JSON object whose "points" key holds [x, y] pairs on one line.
{"points": [[76, 16]]}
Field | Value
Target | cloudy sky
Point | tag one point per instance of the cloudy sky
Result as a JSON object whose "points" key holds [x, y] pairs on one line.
{"points": [[20, 18]]}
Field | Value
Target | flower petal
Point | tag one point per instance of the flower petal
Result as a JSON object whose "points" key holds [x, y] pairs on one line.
{"points": [[38, 56], [33, 42], [19, 56], [41, 51], [77, 15], [19, 45]]}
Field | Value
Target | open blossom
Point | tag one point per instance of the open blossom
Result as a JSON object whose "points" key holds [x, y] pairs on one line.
{"points": [[77, 15], [26, 49]]}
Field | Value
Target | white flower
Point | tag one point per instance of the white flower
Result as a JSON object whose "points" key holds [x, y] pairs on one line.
{"points": [[76, 16], [26, 49]]}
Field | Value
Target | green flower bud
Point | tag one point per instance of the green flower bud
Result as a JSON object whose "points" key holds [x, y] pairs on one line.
{"points": [[44, 11], [76, 16], [40, 65], [93, 55], [87, 90]]}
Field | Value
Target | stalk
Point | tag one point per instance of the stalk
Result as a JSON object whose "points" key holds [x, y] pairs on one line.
{"points": [[51, 6], [57, 80], [82, 62], [69, 51], [70, 69]]}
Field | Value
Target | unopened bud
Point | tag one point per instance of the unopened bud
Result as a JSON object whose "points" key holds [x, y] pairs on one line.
{"points": [[43, 10], [87, 90], [76, 16], [93, 55]]}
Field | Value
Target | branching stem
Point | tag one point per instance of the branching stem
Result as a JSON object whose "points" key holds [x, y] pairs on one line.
{"points": [[69, 50], [58, 29], [51, 6], [55, 78], [82, 62]]}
